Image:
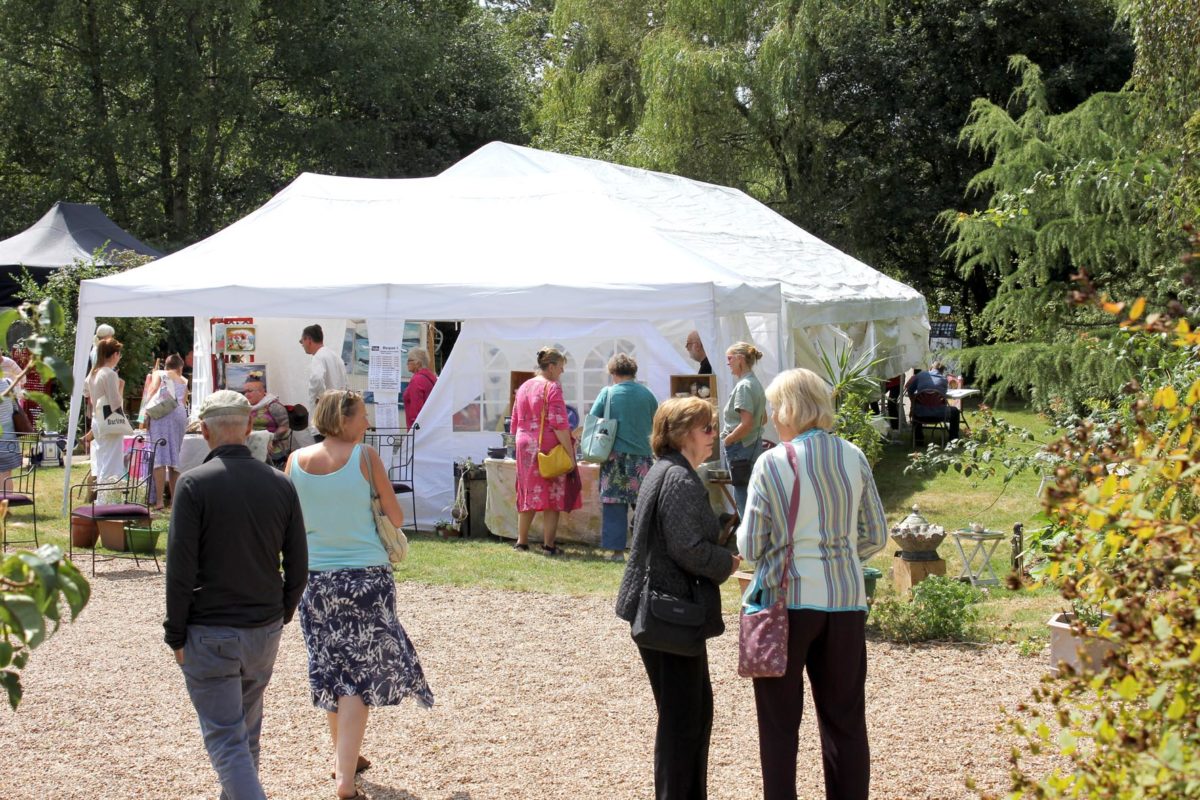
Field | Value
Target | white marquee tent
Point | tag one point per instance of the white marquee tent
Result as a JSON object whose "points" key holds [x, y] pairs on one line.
{"points": [[832, 299], [521, 259]]}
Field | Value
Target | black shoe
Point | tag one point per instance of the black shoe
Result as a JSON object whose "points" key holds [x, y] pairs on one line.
{"points": [[551, 551], [522, 547]]}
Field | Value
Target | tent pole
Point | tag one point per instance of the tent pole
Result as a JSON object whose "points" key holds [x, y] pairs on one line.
{"points": [[83, 344]]}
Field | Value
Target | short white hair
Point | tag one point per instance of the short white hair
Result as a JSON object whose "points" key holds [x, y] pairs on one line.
{"points": [[227, 429]]}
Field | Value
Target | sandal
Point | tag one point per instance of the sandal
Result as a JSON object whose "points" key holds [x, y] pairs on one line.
{"points": [[522, 547], [551, 550], [362, 766]]}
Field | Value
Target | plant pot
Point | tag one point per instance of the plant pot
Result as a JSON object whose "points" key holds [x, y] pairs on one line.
{"points": [[1085, 654], [112, 533], [870, 576], [143, 540], [83, 532], [447, 532]]}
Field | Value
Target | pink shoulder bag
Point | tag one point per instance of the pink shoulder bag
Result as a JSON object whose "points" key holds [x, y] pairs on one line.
{"points": [[763, 631]]}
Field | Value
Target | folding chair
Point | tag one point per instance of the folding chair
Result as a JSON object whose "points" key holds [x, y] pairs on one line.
{"points": [[397, 448], [21, 489], [927, 399], [125, 499]]}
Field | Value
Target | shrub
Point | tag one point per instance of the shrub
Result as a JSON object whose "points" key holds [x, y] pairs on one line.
{"points": [[139, 336], [942, 609], [1128, 495]]}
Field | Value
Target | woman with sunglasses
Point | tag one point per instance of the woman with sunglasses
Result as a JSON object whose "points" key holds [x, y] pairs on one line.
{"points": [[358, 653], [675, 543]]}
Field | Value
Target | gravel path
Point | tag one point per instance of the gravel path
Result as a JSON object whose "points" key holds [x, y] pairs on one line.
{"points": [[537, 697]]}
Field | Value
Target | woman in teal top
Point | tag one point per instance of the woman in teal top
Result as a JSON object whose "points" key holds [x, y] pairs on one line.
{"points": [[358, 653], [743, 418], [632, 406]]}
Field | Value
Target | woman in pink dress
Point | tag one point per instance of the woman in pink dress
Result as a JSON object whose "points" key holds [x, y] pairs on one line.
{"points": [[535, 493]]}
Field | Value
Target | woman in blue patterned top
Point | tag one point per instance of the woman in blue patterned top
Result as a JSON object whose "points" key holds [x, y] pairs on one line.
{"points": [[839, 525], [632, 406], [359, 655]]}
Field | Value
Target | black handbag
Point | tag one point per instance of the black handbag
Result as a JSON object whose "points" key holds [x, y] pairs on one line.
{"points": [[739, 472], [666, 622]]}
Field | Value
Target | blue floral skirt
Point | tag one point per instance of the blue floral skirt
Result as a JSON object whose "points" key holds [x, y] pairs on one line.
{"points": [[355, 643], [621, 476]]}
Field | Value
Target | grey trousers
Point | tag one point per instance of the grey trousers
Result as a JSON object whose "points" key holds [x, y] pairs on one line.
{"points": [[226, 671]]}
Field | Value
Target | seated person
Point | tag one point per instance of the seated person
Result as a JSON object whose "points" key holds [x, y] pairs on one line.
{"points": [[927, 391], [270, 415]]}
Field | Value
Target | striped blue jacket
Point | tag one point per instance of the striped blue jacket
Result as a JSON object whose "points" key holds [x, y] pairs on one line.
{"points": [[839, 524]]}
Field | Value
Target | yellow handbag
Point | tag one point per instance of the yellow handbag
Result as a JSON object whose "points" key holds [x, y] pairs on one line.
{"points": [[558, 461]]}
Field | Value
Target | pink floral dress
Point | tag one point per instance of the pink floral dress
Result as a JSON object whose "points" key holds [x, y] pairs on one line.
{"points": [[535, 493]]}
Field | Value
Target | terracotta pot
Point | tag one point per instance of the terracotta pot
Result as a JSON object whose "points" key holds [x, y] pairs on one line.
{"points": [[112, 533], [83, 532], [447, 532]]}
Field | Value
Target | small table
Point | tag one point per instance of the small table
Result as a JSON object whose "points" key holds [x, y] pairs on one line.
{"points": [[977, 563], [955, 398]]}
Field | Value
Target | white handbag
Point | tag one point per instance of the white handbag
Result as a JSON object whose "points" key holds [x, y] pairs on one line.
{"points": [[163, 402], [114, 424], [599, 434]]}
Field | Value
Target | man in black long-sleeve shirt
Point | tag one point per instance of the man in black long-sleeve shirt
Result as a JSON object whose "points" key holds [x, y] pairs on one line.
{"points": [[226, 601]]}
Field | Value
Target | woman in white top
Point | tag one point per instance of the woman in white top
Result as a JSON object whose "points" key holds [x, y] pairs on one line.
{"points": [[106, 389]]}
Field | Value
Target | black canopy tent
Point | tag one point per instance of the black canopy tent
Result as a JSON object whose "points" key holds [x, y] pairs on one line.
{"points": [[67, 232]]}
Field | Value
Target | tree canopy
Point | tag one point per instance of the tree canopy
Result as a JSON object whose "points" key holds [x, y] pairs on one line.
{"points": [[842, 116], [178, 117]]}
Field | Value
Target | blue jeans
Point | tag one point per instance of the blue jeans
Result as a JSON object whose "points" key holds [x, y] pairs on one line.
{"points": [[227, 670], [736, 452], [614, 525]]}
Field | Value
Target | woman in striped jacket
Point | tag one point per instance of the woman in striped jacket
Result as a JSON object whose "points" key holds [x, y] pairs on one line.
{"points": [[839, 525]]}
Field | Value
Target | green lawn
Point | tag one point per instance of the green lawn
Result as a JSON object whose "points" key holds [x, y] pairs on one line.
{"points": [[949, 500]]}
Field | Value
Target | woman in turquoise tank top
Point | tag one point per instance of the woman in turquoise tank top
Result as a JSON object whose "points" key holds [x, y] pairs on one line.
{"points": [[358, 653]]}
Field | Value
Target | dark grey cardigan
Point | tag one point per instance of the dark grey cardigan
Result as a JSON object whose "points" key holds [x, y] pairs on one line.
{"points": [[681, 532]]}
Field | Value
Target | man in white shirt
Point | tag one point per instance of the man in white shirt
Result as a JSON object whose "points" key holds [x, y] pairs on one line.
{"points": [[326, 370]]}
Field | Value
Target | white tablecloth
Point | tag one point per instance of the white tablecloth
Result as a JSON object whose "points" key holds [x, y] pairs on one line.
{"points": [[578, 526], [501, 516], [194, 449]]}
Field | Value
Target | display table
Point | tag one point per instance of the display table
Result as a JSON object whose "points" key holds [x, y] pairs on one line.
{"points": [[581, 526], [194, 449]]}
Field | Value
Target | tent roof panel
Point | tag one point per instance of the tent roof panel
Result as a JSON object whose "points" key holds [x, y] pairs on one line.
{"points": [[65, 233], [400, 246], [821, 283]]}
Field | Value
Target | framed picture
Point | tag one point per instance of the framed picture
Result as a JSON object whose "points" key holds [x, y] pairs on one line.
{"points": [[239, 338], [236, 375]]}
